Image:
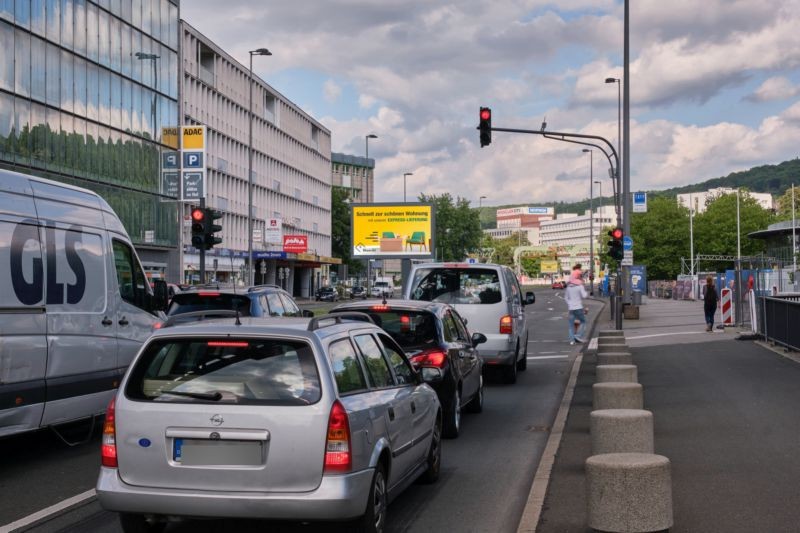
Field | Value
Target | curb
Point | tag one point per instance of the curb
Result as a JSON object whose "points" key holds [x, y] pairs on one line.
{"points": [[541, 479]]}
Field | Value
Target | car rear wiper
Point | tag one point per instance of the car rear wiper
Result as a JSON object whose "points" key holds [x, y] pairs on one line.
{"points": [[210, 396]]}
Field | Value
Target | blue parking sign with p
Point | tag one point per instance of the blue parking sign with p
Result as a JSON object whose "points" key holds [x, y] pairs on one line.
{"points": [[193, 160], [169, 160]]}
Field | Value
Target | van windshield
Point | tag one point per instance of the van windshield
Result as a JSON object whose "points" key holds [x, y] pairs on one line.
{"points": [[456, 285]]}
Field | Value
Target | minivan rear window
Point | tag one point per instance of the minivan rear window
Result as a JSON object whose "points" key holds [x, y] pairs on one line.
{"points": [[252, 371], [208, 301], [456, 285]]}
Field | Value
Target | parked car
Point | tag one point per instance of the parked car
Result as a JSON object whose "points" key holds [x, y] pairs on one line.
{"points": [[559, 285], [382, 289], [259, 301], [489, 297], [293, 419], [358, 292], [326, 294], [438, 343]]}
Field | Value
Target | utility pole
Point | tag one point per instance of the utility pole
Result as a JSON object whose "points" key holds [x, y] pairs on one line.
{"points": [[626, 151]]}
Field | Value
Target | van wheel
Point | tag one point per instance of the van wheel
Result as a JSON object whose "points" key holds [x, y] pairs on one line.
{"points": [[137, 523], [431, 475], [374, 517], [522, 364], [452, 416]]}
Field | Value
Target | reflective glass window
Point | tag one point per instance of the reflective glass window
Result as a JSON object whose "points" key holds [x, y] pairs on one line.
{"points": [[22, 63], [125, 50], [22, 122], [125, 105], [92, 160], [79, 31], [103, 152], [136, 13], [92, 50], [6, 67], [173, 26], [104, 27], [104, 3], [104, 112], [38, 126], [116, 101], [7, 136], [79, 100], [76, 149], [155, 19], [53, 79], [164, 71], [174, 75], [164, 21], [126, 10], [66, 81], [7, 9], [67, 18], [54, 156], [136, 109], [22, 13], [116, 7], [145, 25], [116, 44], [92, 90], [37, 16], [53, 21], [38, 55], [65, 160]]}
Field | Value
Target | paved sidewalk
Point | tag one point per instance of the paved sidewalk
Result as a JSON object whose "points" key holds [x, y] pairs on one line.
{"points": [[725, 414]]}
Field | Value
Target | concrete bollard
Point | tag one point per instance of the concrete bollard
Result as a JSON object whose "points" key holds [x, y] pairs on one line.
{"points": [[615, 358], [613, 395], [611, 333], [604, 348], [619, 373], [621, 431], [629, 492]]}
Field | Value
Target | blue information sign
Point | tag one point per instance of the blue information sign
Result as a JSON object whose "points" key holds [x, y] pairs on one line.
{"points": [[627, 243]]}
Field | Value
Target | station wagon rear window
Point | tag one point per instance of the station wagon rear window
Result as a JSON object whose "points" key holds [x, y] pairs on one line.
{"points": [[456, 285], [250, 371]]}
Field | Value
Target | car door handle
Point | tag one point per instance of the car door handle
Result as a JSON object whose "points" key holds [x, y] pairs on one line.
{"points": [[123, 321], [391, 413], [413, 407], [107, 321]]}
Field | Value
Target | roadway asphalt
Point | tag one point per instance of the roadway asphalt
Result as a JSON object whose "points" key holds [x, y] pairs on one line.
{"points": [[725, 414]]}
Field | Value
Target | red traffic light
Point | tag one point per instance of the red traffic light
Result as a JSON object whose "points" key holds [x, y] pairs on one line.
{"points": [[616, 233], [198, 215], [486, 113]]}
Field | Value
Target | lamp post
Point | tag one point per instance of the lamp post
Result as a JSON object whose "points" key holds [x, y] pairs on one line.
{"points": [[480, 201], [250, 269], [591, 219], [366, 172], [619, 113], [404, 184]]}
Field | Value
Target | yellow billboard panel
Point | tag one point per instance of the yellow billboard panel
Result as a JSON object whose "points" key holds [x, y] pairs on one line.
{"points": [[169, 136], [392, 230], [194, 137], [549, 266]]}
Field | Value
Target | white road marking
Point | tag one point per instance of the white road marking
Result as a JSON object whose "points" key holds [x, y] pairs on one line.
{"points": [[550, 309], [547, 352], [593, 344], [534, 358], [44, 513]]}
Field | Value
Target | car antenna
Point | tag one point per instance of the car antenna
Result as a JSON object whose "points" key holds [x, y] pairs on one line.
{"points": [[236, 308]]}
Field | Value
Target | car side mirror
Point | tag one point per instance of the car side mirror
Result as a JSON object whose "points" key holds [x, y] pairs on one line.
{"points": [[478, 338], [160, 295], [530, 298], [307, 313]]}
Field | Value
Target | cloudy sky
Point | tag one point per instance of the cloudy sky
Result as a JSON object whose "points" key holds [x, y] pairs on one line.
{"points": [[714, 85]]}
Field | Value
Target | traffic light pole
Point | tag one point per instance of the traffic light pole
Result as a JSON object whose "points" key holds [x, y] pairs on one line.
{"points": [[202, 249], [570, 137]]}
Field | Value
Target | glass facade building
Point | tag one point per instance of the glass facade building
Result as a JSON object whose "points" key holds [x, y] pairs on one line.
{"points": [[86, 90]]}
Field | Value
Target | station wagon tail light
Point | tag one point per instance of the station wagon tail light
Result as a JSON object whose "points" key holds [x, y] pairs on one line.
{"points": [[429, 358], [108, 450], [506, 325], [208, 294], [228, 344], [337, 446]]}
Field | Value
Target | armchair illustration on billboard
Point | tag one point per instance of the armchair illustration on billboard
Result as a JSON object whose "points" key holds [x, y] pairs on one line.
{"points": [[417, 238], [392, 230]]}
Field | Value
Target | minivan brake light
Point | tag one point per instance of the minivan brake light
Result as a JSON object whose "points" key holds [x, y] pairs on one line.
{"points": [[108, 450]]}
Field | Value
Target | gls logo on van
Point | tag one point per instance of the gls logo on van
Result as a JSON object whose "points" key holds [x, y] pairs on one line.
{"points": [[27, 269]]}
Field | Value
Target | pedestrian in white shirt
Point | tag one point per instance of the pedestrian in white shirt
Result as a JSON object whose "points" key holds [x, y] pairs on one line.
{"points": [[574, 295]]}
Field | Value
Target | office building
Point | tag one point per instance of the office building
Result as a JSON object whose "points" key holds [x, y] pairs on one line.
{"points": [[570, 229], [356, 174], [700, 200]]}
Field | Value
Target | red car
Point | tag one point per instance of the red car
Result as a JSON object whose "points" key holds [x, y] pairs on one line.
{"points": [[559, 285]]}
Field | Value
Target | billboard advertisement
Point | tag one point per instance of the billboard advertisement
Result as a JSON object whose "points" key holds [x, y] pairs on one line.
{"points": [[273, 231], [392, 230], [296, 244], [549, 266]]}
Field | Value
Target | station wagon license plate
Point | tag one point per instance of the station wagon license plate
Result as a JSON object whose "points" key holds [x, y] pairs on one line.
{"points": [[206, 452]]}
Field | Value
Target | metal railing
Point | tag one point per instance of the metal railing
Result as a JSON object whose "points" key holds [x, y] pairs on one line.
{"points": [[781, 320]]}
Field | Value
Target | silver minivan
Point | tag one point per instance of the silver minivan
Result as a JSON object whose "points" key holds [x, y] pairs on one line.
{"points": [[268, 418], [489, 297], [75, 305]]}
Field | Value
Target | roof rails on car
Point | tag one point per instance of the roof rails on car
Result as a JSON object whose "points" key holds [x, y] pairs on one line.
{"points": [[263, 286], [207, 286], [199, 315], [337, 318]]}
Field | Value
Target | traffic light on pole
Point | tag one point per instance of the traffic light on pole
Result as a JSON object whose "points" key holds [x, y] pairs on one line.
{"points": [[485, 126], [198, 228], [615, 247], [210, 239]]}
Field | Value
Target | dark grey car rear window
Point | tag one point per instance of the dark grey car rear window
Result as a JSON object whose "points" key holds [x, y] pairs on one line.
{"points": [[227, 370], [206, 301], [456, 285]]}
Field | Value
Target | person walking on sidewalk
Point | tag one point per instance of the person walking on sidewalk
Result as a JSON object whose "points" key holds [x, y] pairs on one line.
{"points": [[574, 295], [710, 303]]}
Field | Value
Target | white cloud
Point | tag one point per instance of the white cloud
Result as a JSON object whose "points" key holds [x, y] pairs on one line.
{"points": [[777, 88], [331, 91]]}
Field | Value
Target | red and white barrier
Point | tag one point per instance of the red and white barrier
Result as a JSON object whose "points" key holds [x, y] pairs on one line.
{"points": [[727, 307]]}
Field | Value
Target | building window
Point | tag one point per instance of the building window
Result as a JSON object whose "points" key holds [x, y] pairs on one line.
{"points": [[314, 137], [316, 227], [315, 200], [297, 193], [205, 60], [276, 185], [270, 108]]}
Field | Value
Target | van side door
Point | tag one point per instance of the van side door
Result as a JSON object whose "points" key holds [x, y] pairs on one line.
{"points": [[133, 320]]}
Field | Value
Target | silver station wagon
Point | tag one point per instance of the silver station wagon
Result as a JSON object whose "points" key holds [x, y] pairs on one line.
{"points": [[290, 419]]}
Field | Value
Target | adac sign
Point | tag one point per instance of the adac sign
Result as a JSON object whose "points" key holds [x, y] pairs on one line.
{"points": [[296, 244]]}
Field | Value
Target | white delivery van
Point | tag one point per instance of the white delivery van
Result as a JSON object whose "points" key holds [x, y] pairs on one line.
{"points": [[75, 305]]}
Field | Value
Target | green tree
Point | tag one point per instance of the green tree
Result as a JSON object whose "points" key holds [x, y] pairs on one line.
{"points": [[458, 227], [340, 229], [660, 237], [784, 204], [715, 228]]}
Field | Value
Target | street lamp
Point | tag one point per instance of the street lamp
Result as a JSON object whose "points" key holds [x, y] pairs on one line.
{"points": [[250, 269], [591, 219], [480, 201], [404, 184], [366, 171], [151, 57]]}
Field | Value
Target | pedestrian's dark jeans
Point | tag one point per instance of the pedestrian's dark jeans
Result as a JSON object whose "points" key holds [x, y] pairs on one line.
{"points": [[710, 317]]}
